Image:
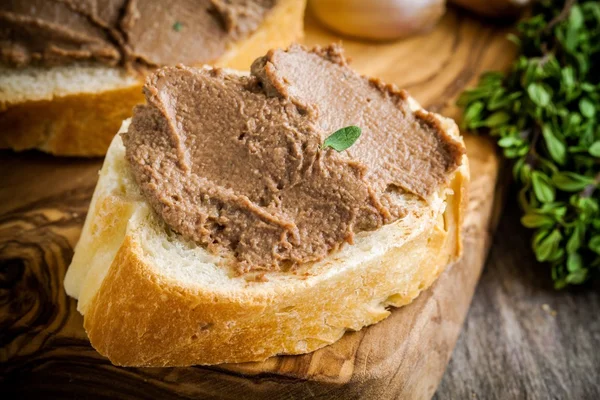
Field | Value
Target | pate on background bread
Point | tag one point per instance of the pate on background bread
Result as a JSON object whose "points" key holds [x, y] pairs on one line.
{"points": [[154, 297], [75, 109]]}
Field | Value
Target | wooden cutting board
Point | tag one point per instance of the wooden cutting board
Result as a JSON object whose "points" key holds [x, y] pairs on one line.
{"points": [[43, 202]]}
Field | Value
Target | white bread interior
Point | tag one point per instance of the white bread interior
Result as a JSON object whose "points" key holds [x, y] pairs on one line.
{"points": [[36, 83], [76, 109], [150, 298]]}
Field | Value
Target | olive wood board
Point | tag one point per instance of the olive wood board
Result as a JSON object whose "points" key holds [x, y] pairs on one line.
{"points": [[44, 351]]}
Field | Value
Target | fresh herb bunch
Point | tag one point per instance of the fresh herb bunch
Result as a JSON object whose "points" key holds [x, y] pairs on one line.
{"points": [[545, 113]]}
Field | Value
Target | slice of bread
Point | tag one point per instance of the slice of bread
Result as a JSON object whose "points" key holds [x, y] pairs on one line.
{"points": [[150, 298], [75, 110]]}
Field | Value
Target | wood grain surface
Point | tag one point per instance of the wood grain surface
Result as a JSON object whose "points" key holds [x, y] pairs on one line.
{"points": [[43, 201], [522, 339]]}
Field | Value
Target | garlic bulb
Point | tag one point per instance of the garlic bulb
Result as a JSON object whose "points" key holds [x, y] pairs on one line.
{"points": [[494, 8], [378, 19]]}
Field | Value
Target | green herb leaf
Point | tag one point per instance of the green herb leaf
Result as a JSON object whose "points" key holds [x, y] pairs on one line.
{"points": [[574, 242], [575, 18], [547, 246], [514, 38], [577, 277], [538, 94], [496, 119], [542, 187], [472, 112], [508, 141], [556, 148], [177, 26], [587, 108], [537, 221], [595, 149], [594, 244], [343, 138], [570, 181], [574, 262]]}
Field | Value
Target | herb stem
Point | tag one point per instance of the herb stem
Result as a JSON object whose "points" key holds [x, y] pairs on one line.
{"points": [[589, 190], [564, 13], [532, 156], [546, 54]]}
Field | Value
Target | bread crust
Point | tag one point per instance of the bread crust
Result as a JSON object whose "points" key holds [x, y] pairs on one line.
{"points": [[83, 124], [137, 315], [139, 318], [76, 125]]}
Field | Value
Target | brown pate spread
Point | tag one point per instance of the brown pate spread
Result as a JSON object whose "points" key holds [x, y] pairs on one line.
{"points": [[234, 163], [124, 32]]}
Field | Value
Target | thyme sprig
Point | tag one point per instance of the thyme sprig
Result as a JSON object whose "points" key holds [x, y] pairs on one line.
{"points": [[545, 114]]}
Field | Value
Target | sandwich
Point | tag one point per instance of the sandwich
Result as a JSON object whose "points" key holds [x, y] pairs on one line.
{"points": [[71, 71], [228, 226]]}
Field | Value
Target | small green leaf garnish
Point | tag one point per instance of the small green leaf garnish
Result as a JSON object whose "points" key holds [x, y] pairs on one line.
{"points": [[177, 26], [342, 139]]}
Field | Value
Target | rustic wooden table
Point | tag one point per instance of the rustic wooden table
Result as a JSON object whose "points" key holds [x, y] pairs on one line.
{"points": [[522, 339]]}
